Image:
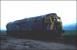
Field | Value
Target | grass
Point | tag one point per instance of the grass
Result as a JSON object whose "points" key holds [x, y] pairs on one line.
{"points": [[70, 33], [70, 37]]}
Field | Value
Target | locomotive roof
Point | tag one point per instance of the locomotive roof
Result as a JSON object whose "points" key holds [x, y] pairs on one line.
{"points": [[41, 16]]}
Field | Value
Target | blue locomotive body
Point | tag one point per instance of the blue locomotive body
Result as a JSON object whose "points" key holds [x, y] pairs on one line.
{"points": [[44, 24]]}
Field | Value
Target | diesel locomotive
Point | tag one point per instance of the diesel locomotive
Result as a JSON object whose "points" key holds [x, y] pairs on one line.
{"points": [[44, 25]]}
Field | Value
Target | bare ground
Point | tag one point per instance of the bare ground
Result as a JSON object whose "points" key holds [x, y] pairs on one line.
{"points": [[12, 43]]}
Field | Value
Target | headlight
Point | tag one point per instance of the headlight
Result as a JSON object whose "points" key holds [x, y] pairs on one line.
{"points": [[58, 20]]}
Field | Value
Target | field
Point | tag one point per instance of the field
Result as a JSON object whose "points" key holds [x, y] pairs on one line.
{"points": [[66, 42]]}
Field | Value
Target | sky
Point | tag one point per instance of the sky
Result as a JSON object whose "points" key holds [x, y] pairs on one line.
{"points": [[16, 10]]}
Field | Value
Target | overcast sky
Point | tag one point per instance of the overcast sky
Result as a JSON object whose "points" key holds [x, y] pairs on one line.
{"points": [[15, 10]]}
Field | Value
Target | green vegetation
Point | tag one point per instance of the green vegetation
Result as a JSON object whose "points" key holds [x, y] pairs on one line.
{"points": [[2, 32], [70, 33]]}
